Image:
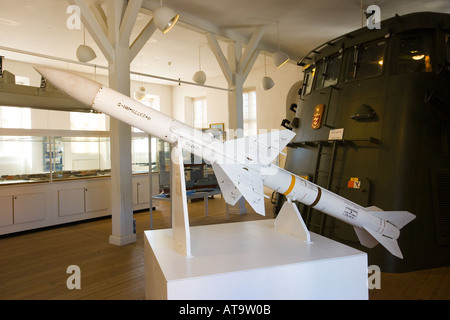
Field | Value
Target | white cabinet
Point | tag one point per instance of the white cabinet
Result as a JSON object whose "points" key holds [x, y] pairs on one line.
{"points": [[21, 208], [85, 198], [141, 190], [29, 207], [96, 198], [6, 212], [70, 201], [26, 207]]}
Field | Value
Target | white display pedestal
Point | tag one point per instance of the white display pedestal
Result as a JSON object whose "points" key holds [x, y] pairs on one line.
{"points": [[251, 260]]}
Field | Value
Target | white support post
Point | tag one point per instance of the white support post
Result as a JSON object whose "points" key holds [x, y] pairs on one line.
{"points": [[111, 31], [236, 69], [290, 221]]}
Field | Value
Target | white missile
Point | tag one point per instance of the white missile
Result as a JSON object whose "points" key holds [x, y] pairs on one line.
{"points": [[242, 166]]}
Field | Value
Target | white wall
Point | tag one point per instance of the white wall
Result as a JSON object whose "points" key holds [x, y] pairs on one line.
{"points": [[271, 104]]}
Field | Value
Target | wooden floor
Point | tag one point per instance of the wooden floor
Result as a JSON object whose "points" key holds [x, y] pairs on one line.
{"points": [[33, 265]]}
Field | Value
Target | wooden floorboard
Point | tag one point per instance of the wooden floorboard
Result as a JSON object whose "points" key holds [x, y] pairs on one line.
{"points": [[33, 265]]}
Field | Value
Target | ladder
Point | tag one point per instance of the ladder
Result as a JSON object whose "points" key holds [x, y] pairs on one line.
{"points": [[329, 173]]}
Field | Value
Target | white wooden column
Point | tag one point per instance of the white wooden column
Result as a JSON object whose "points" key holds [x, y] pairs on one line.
{"points": [[236, 68], [111, 31]]}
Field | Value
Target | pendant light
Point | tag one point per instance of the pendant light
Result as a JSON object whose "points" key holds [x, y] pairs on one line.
{"points": [[165, 18], [199, 77], [139, 95], [279, 58], [266, 82], [85, 53]]}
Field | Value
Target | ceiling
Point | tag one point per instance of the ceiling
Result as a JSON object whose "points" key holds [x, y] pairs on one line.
{"points": [[40, 27]]}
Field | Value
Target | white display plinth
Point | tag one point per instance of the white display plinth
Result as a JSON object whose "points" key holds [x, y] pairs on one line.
{"points": [[251, 260]]}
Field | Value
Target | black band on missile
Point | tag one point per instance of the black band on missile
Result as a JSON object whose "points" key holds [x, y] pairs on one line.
{"points": [[319, 194]]}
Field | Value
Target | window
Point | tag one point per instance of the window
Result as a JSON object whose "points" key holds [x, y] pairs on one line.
{"points": [[139, 140], [309, 77], [15, 118], [87, 121], [414, 54], [249, 110], [199, 113], [365, 60], [328, 71]]}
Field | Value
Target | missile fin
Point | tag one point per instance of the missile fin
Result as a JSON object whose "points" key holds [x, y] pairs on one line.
{"points": [[248, 182], [397, 218], [365, 238], [390, 244], [230, 193], [261, 149]]}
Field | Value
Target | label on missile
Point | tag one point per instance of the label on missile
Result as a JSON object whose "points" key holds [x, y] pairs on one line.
{"points": [[138, 113], [350, 213]]}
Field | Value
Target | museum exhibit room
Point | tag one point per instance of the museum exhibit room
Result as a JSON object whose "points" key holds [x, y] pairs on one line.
{"points": [[223, 151]]}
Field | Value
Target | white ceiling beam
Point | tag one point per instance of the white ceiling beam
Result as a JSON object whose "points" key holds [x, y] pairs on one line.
{"points": [[100, 15], [114, 14], [204, 26], [250, 50], [142, 39], [220, 57], [91, 23], [250, 63], [128, 21]]}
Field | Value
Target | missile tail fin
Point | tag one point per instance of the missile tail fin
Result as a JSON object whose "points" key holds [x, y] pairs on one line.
{"points": [[365, 238], [230, 193], [397, 218], [261, 149], [236, 180], [242, 177], [390, 244]]}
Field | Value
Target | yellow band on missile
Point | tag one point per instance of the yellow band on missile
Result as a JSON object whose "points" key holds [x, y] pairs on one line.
{"points": [[291, 186]]}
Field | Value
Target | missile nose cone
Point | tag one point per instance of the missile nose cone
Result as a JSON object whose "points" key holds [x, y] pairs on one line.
{"points": [[78, 87]]}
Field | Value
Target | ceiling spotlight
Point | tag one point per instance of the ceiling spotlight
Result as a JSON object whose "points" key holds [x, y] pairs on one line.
{"points": [[199, 77], [279, 58], [85, 53], [165, 18]]}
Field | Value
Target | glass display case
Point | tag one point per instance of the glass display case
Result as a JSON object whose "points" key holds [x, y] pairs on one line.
{"points": [[26, 159]]}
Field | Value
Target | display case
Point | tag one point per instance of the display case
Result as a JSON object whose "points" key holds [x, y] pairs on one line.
{"points": [[24, 159], [28, 159]]}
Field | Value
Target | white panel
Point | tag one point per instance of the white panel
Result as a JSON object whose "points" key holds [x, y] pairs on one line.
{"points": [[29, 207], [180, 218], [251, 260], [144, 191], [70, 201], [97, 198], [6, 212]]}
